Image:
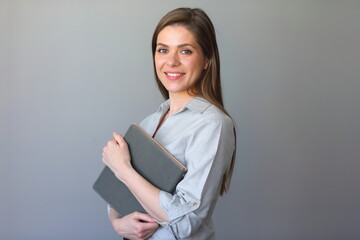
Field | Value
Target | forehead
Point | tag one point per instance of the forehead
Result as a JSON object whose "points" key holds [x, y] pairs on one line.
{"points": [[175, 35]]}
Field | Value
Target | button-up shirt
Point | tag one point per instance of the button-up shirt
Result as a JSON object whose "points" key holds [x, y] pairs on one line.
{"points": [[201, 137]]}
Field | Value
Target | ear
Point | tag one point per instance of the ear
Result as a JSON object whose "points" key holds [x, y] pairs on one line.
{"points": [[206, 64]]}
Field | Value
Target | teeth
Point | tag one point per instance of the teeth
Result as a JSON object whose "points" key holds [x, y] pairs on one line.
{"points": [[173, 74]]}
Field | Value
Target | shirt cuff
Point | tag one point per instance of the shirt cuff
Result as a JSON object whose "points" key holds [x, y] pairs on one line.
{"points": [[108, 210], [177, 205]]}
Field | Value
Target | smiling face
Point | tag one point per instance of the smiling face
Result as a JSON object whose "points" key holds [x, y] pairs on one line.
{"points": [[179, 60]]}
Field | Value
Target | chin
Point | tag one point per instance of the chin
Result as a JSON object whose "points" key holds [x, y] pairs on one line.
{"points": [[173, 89]]}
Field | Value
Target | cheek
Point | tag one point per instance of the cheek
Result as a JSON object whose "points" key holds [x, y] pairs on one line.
{"points": [[158, 66], [195, 66], [158, 62]]}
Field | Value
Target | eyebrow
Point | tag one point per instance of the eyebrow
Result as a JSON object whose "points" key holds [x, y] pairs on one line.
{"points": [[179, 46]]}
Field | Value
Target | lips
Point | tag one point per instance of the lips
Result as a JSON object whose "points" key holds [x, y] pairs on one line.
{"points": [[174, 75]]}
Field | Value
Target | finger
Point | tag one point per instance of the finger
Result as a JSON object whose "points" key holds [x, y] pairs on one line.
{"points": [[149, 234], [118, 137], [150, 231], [112, 142], [150, 227], [105, 159]]}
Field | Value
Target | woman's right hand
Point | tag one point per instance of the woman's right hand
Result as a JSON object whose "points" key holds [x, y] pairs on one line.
{"points": [[137, 226]]}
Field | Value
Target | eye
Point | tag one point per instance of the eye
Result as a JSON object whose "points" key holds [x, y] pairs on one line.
{"points": [[186, 51], [162, 50]]}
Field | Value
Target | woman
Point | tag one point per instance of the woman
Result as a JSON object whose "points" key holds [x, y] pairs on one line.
{"points": [[191, 124]]}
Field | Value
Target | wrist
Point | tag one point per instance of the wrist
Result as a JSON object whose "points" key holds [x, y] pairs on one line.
{"points": [[128, 175], [125, 173]]}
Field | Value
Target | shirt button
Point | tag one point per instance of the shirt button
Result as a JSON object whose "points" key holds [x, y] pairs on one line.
{"points": [[194, 204]]}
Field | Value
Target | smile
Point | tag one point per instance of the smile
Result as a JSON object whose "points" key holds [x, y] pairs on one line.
{"points": [[174, 74]]}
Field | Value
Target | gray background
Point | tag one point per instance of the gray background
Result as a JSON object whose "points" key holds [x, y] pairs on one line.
{"points": [[74, 71]]}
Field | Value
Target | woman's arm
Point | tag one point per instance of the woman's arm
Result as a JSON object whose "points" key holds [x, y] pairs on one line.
{"points": [[117, 157], [133, 226], [210, 144]]}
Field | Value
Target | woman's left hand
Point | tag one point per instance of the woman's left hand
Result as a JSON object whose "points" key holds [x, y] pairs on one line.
{"points": [[116, 155]]}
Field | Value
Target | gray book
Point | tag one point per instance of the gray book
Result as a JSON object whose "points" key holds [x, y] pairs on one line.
{"points": [[150, 160]]}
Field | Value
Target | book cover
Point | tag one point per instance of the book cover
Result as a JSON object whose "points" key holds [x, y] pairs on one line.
{"points": [[150, 160]]}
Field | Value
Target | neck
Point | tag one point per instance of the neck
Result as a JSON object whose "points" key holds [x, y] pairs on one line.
{"points": [[178, 101]]}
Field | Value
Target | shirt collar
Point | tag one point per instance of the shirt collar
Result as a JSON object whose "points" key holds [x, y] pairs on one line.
{"points": [[197, 104]]}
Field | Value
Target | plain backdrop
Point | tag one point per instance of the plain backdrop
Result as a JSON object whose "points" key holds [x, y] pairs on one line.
{"points": [[74, 71]]}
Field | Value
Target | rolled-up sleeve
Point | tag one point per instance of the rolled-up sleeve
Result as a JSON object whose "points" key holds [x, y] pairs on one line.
{"points": [[208, 153]]}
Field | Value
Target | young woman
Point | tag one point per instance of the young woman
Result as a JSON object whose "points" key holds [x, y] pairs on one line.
{"points": [[191, 124]]}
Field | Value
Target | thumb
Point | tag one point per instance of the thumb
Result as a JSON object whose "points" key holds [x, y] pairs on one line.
{"points": [[146, 218]]}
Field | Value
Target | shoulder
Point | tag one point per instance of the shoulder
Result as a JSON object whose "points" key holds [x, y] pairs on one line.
{"points": [[209, 118], [214, 115]]}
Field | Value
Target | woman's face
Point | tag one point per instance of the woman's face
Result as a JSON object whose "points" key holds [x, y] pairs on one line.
{"points": [[179, 60]]}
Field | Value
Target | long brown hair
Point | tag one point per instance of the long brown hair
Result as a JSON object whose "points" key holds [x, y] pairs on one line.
{"points": [[209, 85]]}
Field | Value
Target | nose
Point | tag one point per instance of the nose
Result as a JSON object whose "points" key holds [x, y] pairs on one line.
{"points": [[172, 59]]}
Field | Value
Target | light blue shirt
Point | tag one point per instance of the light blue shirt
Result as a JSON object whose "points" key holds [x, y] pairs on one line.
{"points": [[201, 137]]}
